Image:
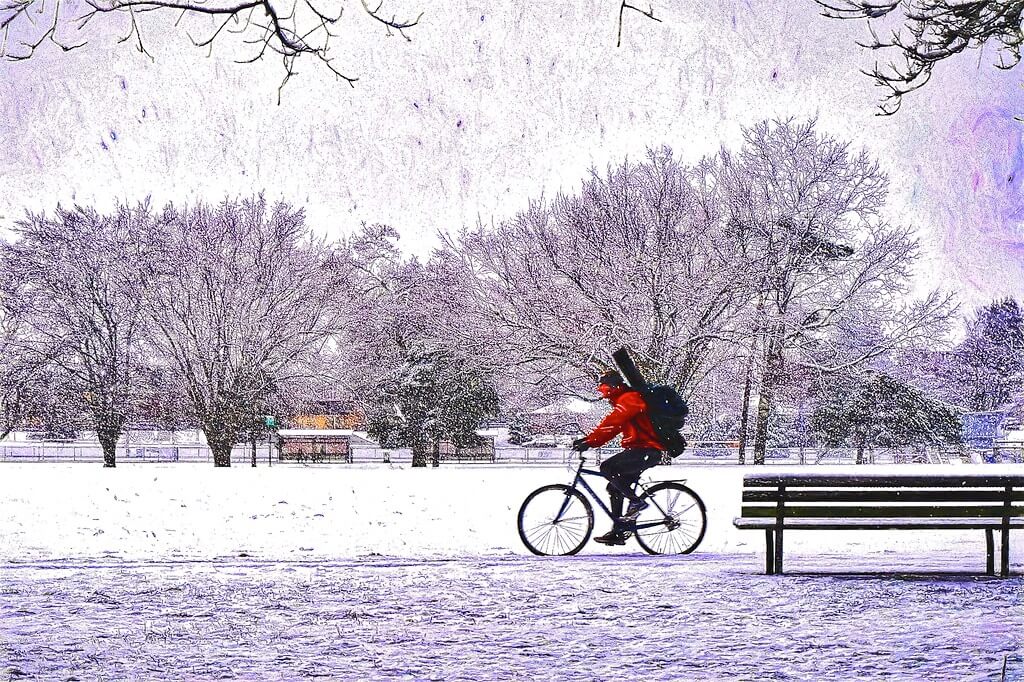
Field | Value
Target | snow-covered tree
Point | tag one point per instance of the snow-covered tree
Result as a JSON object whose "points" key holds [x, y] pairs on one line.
{"points": [[39, 397], [832, 275], [246, 300], [418, 383], [72, 285], [638, 257], [430, 400], [775, 255], [986, 370], [18, 375], [875, 410]]}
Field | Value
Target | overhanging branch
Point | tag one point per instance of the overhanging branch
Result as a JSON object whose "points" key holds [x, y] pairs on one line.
{"points": [[649, 13]]}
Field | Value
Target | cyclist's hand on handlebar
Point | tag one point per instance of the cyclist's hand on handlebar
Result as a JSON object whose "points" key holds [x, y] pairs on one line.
{"points": [[580, 445]]}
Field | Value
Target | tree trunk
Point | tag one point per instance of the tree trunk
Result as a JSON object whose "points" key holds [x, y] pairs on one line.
{"points": [[108, 430], [745, 410], [221, 436], [771, 377], [221, 453], [764, 406], [108, 442], [435, 458], [419, 454]]}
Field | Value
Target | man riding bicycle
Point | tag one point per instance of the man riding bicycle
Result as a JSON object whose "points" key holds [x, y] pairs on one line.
{"points": [[641, 451]]}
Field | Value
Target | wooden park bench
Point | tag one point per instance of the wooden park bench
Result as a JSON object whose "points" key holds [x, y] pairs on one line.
{"points": [[776, 503]]}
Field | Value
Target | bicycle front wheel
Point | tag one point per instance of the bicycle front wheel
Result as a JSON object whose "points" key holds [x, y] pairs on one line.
{"points": [[555, 520], [674, 522]]}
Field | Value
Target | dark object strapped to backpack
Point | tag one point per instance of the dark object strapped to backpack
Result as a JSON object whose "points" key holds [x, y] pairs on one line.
{"points": [[665, 407]]}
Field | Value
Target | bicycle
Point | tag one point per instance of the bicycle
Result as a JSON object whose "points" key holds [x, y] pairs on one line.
{"points": [[557, 519]]}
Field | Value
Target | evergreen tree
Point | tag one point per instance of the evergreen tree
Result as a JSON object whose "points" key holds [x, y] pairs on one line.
{"points": [[987, 368], [417, 382], [431, 399], [875, 410]]}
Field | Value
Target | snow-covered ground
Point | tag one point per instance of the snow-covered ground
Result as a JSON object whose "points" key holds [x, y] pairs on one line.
{"points": [[183, 571]]}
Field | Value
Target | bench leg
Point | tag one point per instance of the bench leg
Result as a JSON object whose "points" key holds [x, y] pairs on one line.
{"points": [[778, 550], [769, 552], [990, 553], [1004, 551]]}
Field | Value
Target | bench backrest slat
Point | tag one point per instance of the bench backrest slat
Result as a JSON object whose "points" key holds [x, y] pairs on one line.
{"points": [[908, 495], [875, 511]]}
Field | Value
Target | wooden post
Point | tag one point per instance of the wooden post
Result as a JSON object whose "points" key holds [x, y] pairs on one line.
{"points": [[990, 553], [769, 552], [1004, 536], [778, 529]]}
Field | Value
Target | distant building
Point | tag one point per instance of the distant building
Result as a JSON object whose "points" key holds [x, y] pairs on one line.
{"points": [[981, 429], [347, 420], [996, 429]]}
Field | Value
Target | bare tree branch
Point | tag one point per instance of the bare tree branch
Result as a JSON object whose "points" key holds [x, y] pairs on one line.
{"points": [[393, 22], [933, 31], [299, 29], [649, 13]]}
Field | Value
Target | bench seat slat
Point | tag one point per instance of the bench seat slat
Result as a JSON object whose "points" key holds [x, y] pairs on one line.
{"points": [[881, 495], [877, 523], [881, 511]]}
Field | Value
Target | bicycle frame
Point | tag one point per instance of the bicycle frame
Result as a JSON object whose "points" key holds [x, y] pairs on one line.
{"points": [[580, 481]]}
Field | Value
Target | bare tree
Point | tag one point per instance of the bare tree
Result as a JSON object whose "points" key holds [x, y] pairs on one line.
{"points": [[71, 283], [43, 399], [288, 29], [932, 32], [246, 301], [29, 388], [832, 276], [638, 258]]}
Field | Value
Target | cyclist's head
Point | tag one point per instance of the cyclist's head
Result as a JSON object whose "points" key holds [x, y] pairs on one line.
{"points": [[611, 378], [610, 383]]}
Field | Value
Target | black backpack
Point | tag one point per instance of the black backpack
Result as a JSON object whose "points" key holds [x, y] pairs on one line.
{"points": [[667, 411], [665, 407]]}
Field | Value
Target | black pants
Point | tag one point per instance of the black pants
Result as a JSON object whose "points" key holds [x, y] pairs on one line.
{"points": [[623, 471]]}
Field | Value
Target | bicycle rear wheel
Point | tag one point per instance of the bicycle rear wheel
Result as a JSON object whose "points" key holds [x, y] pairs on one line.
{"points": [[675, 521], [555, 520]]}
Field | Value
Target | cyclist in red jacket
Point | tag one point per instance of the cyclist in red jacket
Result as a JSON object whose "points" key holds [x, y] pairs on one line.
{"points": [[641, 450]]}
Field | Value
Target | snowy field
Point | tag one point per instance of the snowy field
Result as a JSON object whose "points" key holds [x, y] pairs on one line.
{"points": [[184, 572]]}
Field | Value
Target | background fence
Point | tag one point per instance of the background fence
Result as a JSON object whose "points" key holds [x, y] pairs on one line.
{"points": [[243, 455]]}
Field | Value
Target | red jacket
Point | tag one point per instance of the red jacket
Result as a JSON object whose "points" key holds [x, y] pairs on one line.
{"points": [[628, 417]]}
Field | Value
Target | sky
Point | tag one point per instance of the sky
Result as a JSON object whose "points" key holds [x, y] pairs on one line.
{"points": [[490, 106]]}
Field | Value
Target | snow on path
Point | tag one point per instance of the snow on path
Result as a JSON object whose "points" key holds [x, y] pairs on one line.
{"points": [[183, 572], [627, 617], [190, 511]]}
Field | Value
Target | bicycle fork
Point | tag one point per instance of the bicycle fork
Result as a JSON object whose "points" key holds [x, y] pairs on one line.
{"points": [[568, 498]]}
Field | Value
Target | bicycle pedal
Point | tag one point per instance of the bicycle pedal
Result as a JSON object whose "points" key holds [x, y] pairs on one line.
{"points": [[614, 538]]}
